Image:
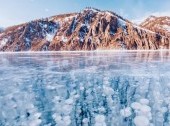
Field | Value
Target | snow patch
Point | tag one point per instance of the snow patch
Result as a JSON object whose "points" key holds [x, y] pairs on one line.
{"points": [[90, 9], [167, 27], [68, 18], [3, 42], [64, 39], [45, 25], [108, 13], [50, 37], [146, 30], [121, 22]]}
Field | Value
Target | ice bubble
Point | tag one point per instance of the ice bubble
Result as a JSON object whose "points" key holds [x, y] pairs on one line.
{"points": [[57, 98], [67, 120], [36, 122], [145, 109], [66, 109], [148, 115], [106, 78], [81, 88], [167, 100], [101, 109], [57, 118], [76, 96], [100, 124], [108, 90], [151, 124], [168, 85], [164, 109], [141, 121], [50, 87], [30, 106], [136, 105], [85, 120], [37, 115], [106, 82], [126, 112], [144, 101], [69, 101], [100, 118]]}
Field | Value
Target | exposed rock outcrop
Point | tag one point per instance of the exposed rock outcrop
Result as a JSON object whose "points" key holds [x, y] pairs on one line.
{"points": [[159, 25]]}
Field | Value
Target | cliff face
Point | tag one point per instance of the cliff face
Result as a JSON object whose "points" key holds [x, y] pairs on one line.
{"points": [[160, 25], [90, 29]]}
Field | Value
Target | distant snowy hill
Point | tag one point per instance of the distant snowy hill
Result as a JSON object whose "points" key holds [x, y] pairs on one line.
{"points": [[158, 24], [91, 29]]}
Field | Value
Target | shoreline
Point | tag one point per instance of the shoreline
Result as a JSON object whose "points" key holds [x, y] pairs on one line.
{"points": [[91, 51]]}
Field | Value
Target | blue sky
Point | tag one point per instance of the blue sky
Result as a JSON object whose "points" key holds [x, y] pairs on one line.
{"points": [[18, 11]]}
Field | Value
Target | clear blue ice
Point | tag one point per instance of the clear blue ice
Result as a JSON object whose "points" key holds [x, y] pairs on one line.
{"points": [[85, 89]]}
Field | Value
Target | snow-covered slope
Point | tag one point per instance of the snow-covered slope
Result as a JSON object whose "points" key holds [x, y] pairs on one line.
{"points": [[90, 29]]}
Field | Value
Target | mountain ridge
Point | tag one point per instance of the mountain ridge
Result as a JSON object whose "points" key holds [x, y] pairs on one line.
{"points": [[91, 29]]}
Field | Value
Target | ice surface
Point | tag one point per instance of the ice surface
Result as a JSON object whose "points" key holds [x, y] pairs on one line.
{"points": [[118, 88]]}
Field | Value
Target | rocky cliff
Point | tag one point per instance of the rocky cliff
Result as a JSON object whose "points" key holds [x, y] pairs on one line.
{"points": [[159, 25], [91, 29]]}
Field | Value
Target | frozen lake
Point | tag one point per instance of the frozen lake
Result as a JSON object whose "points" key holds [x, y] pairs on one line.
{"points": [[85, 89]]}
